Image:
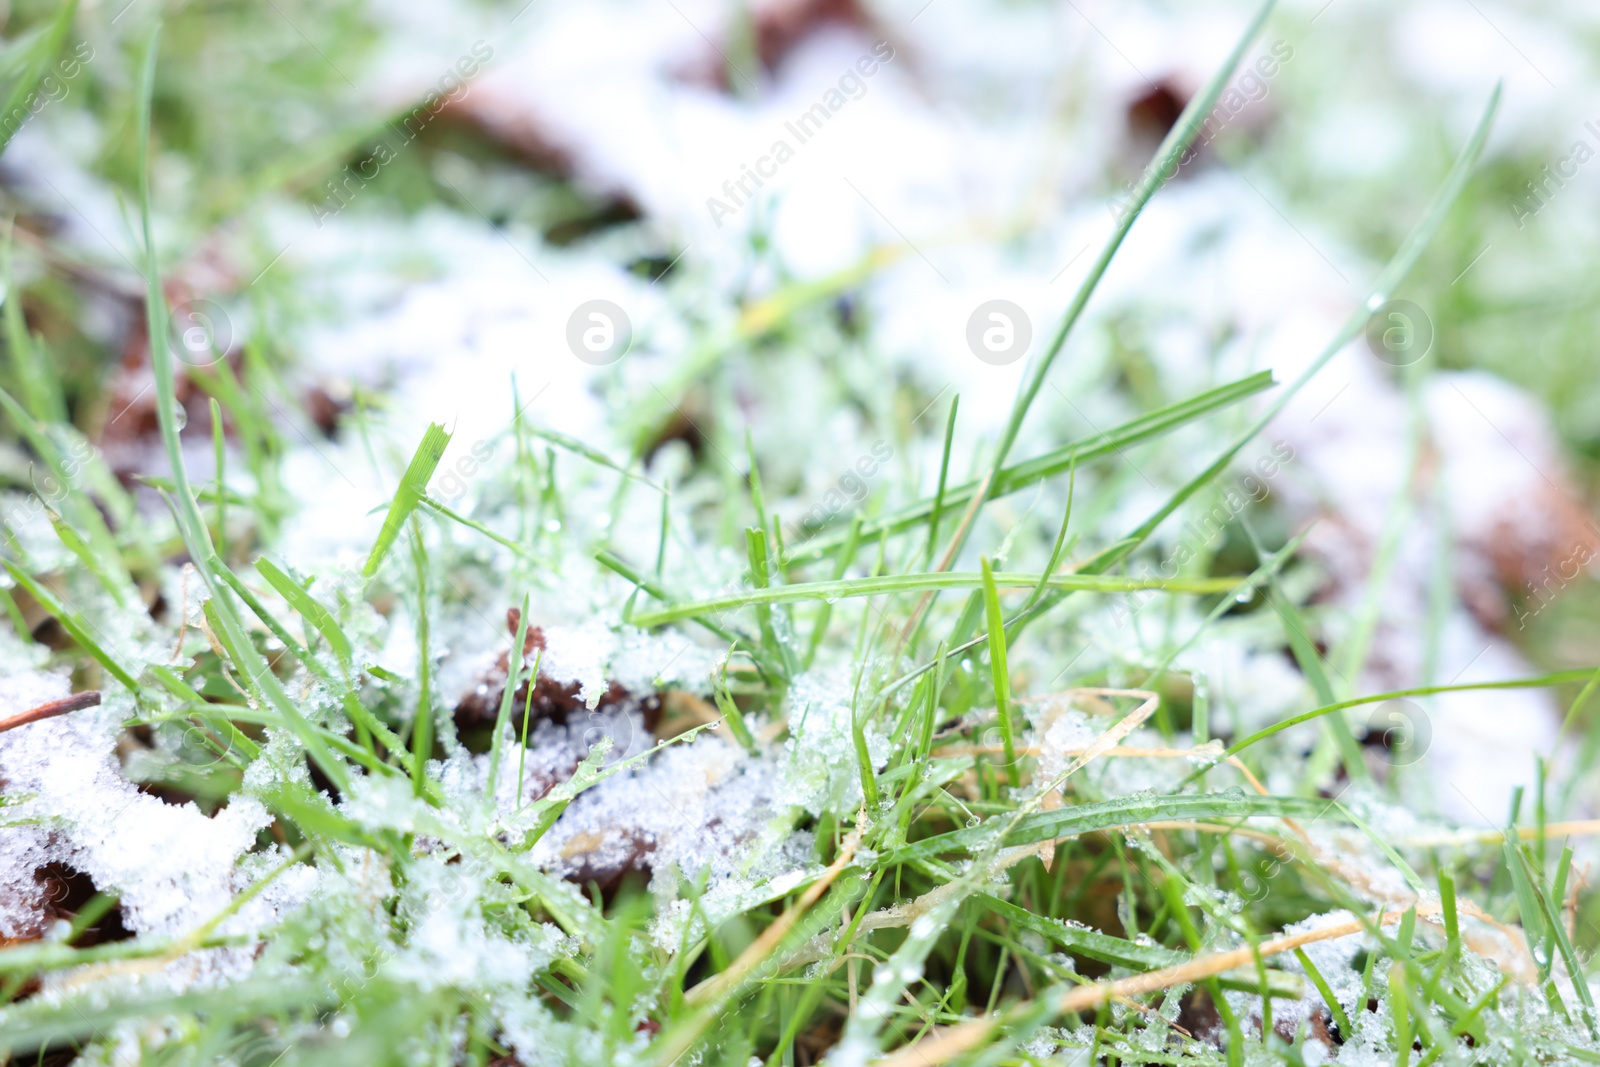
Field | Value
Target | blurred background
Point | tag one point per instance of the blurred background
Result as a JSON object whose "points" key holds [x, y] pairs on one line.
{"points": [[374, 215]]}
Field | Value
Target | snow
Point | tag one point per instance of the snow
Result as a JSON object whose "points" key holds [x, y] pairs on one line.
{"points": [[822, 771], [449, 943], [946, 161], [693, 809], [919, 148], [579, 654], [172, 867]]}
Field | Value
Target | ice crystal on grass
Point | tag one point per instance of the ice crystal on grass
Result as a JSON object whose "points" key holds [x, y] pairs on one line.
{"points": [[1334, 959]]}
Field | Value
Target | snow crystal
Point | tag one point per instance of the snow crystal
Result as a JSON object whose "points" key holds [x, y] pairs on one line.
{"points": [[448, 941], [579, 654], [651, 661], [822, 771], [172, 867], [1332, 958], [693, 808]]}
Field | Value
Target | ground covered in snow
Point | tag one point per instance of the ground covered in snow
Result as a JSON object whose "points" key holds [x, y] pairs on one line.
{"points": [[803, 531]]}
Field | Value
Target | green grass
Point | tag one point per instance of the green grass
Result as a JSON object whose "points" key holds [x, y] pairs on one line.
{"points": [[975, 899]]}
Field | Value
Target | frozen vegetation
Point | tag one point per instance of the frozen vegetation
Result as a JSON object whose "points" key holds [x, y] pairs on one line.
{"points": [[799, 531]]}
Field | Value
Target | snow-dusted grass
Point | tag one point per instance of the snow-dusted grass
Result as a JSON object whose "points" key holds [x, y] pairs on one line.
{"points": [[997, 768]]}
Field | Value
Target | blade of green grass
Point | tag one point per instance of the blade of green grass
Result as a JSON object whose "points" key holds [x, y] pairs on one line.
{"points": [[904, 583], [1058, 548], [308, 607], [36, 58], [1161, 168], [413, 487], [1554, 930], [422, 727], [1115, 814], [1083, 941], [1393, 273], [1335, 1008], [41, 400], [999, 670], [527, 710], [367, 724], [775, 651], [1311, 665], [516, 660], [191, 526], [588, 452], [219, 445], [615, 563], [86, 519], [1553, 679], [729, 709], [1056, 461], [106, 567], [472, 524], [936, 511], [1447, 908], [74, 624]]}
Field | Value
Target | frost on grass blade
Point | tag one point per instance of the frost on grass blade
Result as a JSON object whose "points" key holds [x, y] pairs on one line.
{"points": [[1129, 811]]}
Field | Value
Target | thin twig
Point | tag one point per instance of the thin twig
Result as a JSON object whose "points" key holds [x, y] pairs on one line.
{"points": [[769, 938], [944, 1045], [50, 709]]}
